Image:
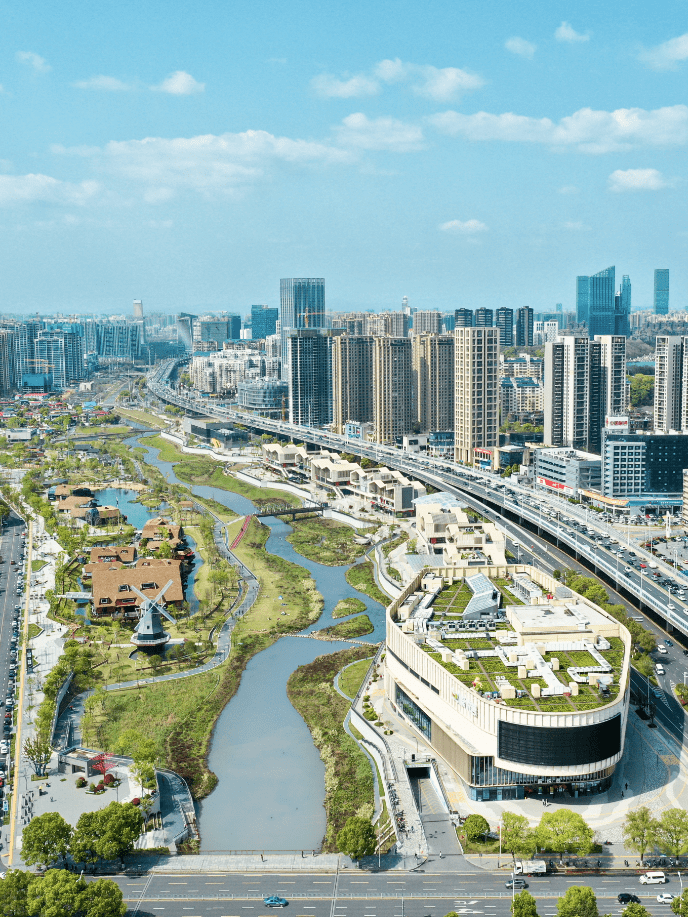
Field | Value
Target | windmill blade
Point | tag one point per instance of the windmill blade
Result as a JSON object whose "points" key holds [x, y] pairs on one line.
{"points": [[140, 594], [162, 592], [164, 611]]}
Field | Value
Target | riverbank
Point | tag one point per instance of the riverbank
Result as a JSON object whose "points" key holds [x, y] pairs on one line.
{"points": [[325, 541], [362, 577], [348, 775], [198, 470]]}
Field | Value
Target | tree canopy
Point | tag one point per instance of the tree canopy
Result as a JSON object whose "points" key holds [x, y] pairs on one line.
{"points": [[638, 830], [565, 831], [45, 840], [579, 901], [357, 837], [475, 827], [524, 905]]}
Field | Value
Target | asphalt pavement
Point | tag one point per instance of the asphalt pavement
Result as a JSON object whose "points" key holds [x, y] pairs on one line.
{"points": [[355, 893]]}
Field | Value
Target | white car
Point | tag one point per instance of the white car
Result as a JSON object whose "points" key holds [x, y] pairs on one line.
{"points": [[663, 650], [4, 748], [666, 898]]}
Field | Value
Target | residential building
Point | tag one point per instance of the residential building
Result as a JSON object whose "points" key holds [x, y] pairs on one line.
{"points": [[557, 741], [265, 397], [309, 378], [661, 299], [484, 318], [520, 395], [567, 471], [393, 392], [613, 374], [302, 302], [433, 371], [8, 361], [524, 327], [476, 391], [463, 318], [352, 380], [523, 365], [505, 323], [669, 383], [113, 586], [427, 323], [263, 322], [60, 356], [573, 402]]}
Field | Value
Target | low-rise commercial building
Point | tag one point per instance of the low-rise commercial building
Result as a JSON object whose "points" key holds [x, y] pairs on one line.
{"points": [[112, 585], [518, 699], [644, 470], [567, 470]]}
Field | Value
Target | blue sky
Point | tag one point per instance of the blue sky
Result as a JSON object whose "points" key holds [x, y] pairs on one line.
{"points": [[461, 154]]}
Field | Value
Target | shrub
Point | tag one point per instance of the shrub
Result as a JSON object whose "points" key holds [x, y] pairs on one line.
{"points": [[100, 787], [92, 787], [108, 780], [81, 782], [136, 801]]}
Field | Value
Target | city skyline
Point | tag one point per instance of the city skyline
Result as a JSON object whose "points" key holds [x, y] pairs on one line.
{"points": [[429, 154]]}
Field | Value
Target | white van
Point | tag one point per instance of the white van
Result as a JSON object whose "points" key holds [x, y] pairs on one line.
{"points": [[653, 878], [659, 668]]}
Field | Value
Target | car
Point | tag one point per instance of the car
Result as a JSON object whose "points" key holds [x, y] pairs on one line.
{"points": [[665, 898], [275, 901], [627, 898], [685, 652], [4, 748], [663, 650], [668, 642], [516, 883], [627, 570]]}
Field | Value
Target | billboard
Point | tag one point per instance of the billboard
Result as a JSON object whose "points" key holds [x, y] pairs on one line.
{"points": [[555, 485], [617, 424]]}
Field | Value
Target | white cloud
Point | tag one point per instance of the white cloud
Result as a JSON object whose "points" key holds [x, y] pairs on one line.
{"points": [[587, 130], [209, 165], [566, 32], [21, 189], [465, 228], [520, 46], [668, 54], [103, 83], [360, 132], [636, 180], [440, 84], [328, 86], [39, 64], [180, 83], [445, 84], [568, 189]]}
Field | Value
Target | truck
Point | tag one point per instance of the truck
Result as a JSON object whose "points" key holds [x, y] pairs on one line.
{"points": [[530, 868]]}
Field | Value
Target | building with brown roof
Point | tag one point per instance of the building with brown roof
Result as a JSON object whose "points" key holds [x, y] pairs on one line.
{"points": [[112, 585], [159, 530], [124, 553]]}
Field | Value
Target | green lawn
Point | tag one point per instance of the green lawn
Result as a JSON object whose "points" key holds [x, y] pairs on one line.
{"points": [[360, 576], [324, 541], [349, 606], [352, 677], [352, 628]]}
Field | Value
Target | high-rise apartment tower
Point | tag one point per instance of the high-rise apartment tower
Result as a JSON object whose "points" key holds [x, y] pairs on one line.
{"points": [[476, 391]]}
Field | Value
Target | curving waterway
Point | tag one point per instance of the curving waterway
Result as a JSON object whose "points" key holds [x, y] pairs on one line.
{"points": [[271, 779]]}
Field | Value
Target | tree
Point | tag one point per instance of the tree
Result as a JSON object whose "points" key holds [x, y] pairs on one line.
{"points": [[164, 551], [524, 905], [103, 763], [671, 831], [475, 827], [517, 836], [39, 751], [357, 838], [45, 839], [639, 830], [679, 905], [103, 898], [56, 894], [642, 389], [635, 910], [564, 832], [120, 826], [14, 893], [84, 843], [579, 901]]}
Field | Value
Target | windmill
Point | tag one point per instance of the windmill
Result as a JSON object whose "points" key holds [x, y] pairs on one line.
{"points": [[149, 633]]}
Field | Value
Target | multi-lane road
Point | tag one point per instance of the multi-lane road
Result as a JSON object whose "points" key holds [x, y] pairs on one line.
{"points": [[355, 893]]}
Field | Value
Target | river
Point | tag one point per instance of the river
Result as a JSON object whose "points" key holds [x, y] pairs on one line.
{"points": [[271, 779]]}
